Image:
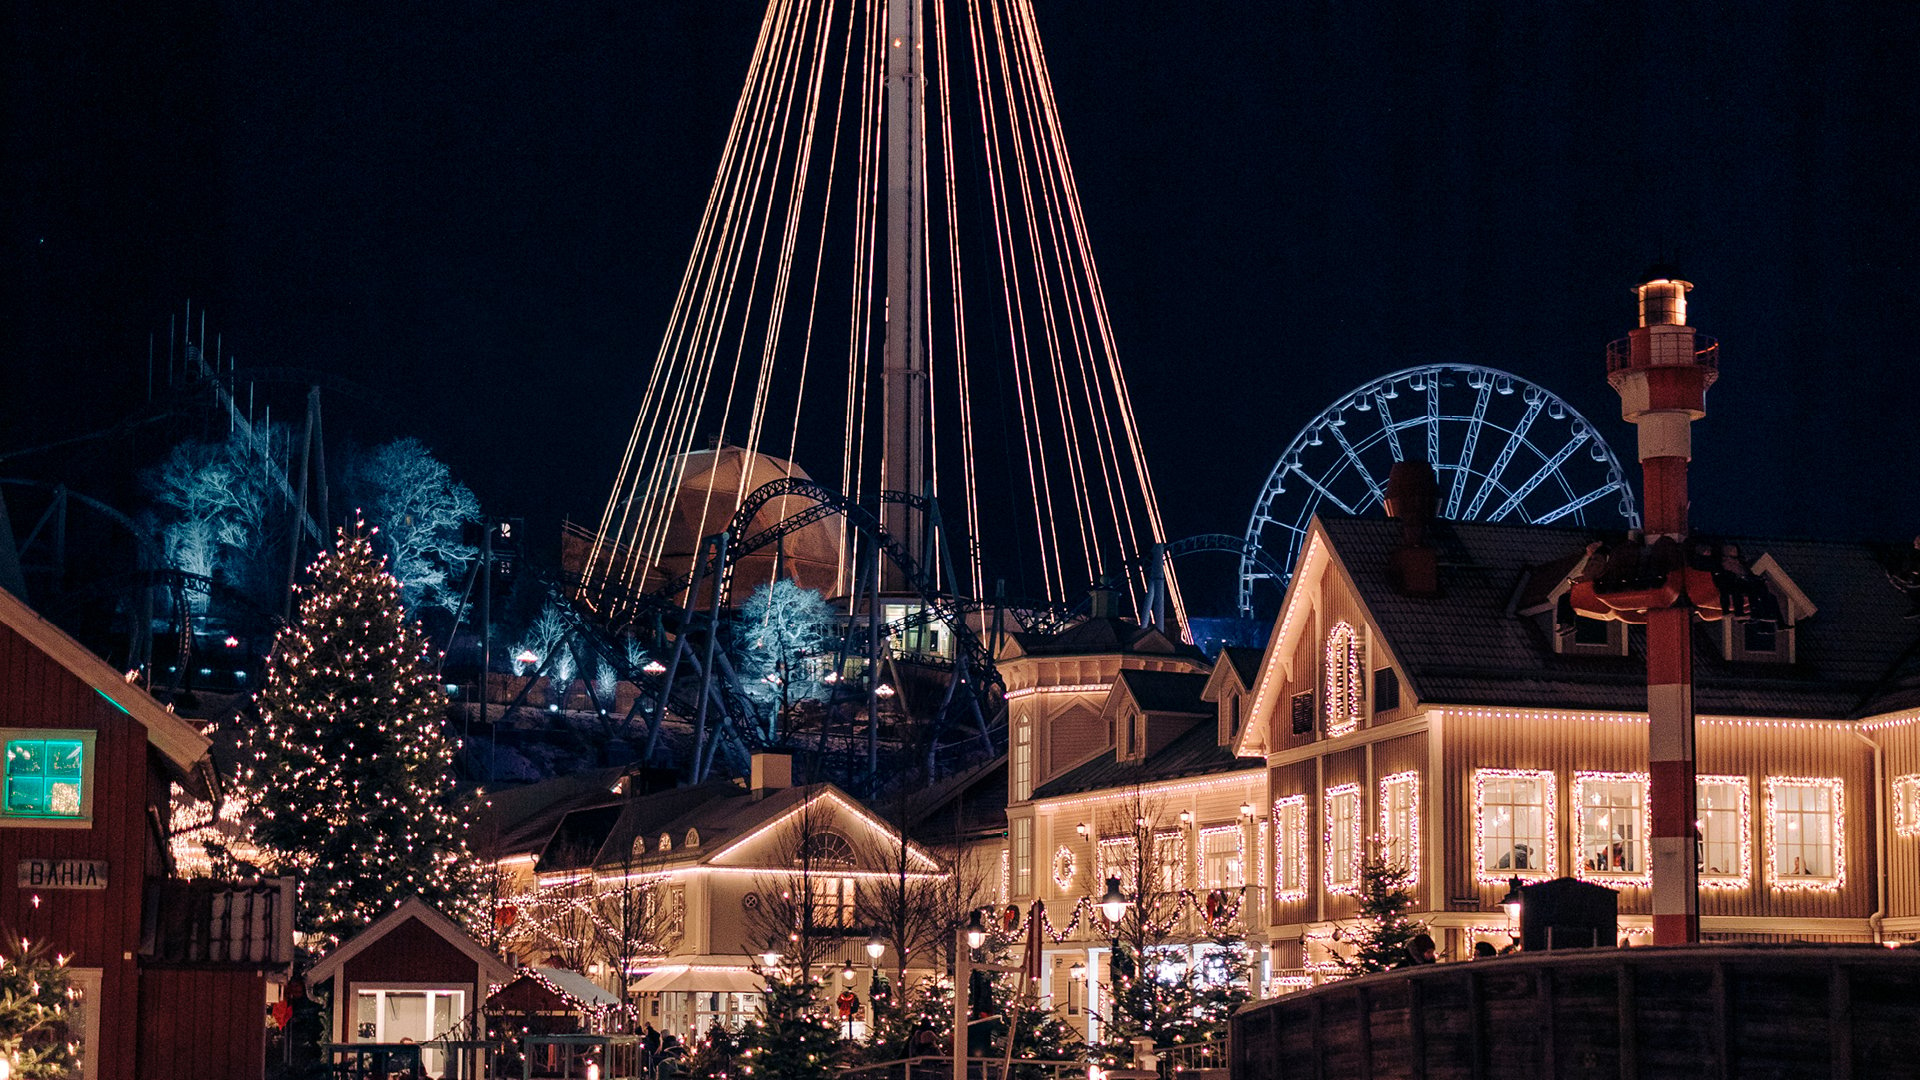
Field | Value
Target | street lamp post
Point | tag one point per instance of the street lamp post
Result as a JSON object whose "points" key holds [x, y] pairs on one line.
{"points": [[1511, 905], [1113, 908], [968, 939]]}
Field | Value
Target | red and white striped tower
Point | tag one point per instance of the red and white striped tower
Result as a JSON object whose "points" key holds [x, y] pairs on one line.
{"points": [[1661, 372]]}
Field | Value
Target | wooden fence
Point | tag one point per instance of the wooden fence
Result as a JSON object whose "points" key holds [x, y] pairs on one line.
{"points": [[1714, 1012]]}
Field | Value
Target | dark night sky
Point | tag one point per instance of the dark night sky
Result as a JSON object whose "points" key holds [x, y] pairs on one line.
{"points": [[482, 210]]}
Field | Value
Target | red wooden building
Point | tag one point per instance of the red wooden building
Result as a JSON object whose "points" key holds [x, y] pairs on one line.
{"points": [[412, 975], [173, 976]]}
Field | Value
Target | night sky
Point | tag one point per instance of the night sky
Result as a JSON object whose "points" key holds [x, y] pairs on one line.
{"points": [[481, 211]]}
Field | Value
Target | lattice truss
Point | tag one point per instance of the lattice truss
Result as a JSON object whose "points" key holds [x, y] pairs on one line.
{"points": [[777, 338]]}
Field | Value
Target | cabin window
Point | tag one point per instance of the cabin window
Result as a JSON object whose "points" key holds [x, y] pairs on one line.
{"points": [[49, 777], [1346, 692], [1513, 817], [1803, 832], [394, 1015], [1343, 838], [1022, 856], [1223, 858], [1723, 808], [1906, 805], [1290, 848], [1023, 762], [1400, 822], [1611, 824], [1170, 861], [1590, 631]]}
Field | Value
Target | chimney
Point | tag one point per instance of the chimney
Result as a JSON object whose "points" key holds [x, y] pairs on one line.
{"points": [[1103, 599], [1412, 494], [772, 771]]}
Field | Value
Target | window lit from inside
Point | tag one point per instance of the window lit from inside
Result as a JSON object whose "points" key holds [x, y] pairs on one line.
{"points": [[1612, 830], [46, 778], [1343, 838], [1721, 808], [1513, 823], [1222, 858], [1803, 830]]}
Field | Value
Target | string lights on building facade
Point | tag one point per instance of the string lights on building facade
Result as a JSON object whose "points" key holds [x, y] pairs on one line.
{"points": [[1505, 825], [1342, 854], [1290, 848], [1400, 822], [1346, 701], [1610, 828], [1722, 797], [1806, 833]]}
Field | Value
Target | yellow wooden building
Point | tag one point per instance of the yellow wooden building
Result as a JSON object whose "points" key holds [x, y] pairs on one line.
{"points": [[1488, 733]]}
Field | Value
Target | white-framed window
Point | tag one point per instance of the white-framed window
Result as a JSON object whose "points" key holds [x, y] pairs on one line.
{"points": [[1723, 806], [83, 1019], [1223, 857], [1805, 821], [1022, 856], [1346, 696], [48, 778], [390, 1014], [1022, 761], [1290, 848], [1400, 822], [1513, 812], [1610, 826], [1170, 860], [1116, 861], [1906, 805], [1343, 838]]}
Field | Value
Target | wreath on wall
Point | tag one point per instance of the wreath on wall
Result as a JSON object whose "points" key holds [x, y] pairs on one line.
{"points": [[1063, 867]]}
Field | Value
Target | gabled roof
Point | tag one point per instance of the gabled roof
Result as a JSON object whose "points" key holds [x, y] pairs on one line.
{"points": [[721, 813], [181, 746], [492, 968], [519, 820], [1165, 691], [1100, 636], [1195, 752], [1469, 647], [1242, 660], [966, 806]]}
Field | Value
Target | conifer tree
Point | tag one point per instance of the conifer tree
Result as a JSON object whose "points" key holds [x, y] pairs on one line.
{"points": [[35, 997], [794, 1037], [1380, 939], [350, 786]]}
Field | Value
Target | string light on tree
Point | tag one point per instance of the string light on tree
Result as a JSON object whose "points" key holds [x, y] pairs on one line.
{"points": [[350, 780]]}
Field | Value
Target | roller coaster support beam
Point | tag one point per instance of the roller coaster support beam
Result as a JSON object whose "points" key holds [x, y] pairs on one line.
{"points": [[873, 668], [718, 544], [1157, 587], [679, 647]]}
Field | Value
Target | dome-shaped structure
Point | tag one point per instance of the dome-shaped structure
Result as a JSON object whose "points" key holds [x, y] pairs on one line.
{"points": [[712, 484]]}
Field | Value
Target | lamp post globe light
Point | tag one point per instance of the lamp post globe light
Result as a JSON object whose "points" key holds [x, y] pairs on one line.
{"points": [[876, 945], [976, 931], [1511, 905]]}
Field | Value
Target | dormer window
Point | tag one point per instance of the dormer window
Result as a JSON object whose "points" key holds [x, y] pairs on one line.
{"points": [[1575, 634], [1763, 607]]}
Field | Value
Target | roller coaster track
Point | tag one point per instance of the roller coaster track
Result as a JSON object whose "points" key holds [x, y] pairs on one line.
{"points": [[827, 503]]}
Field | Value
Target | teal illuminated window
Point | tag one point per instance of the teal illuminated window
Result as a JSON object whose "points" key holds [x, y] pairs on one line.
{"points": [[46, 778]]}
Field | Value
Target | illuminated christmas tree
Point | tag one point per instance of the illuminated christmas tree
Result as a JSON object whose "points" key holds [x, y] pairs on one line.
{"points": [[350, 784], [1380, 937], [35, 996], [794, 1037]]}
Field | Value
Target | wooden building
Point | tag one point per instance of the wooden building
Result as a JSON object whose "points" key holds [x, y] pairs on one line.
{"points": [[1122, 766], [1489, 732], [674, 893], [173, 978], [413, 975]]}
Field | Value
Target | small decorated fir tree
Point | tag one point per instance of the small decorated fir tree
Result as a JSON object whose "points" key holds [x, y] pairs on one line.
{"points": [[350, 784], [1380, 938], [794, 1037], [35, 996]]}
